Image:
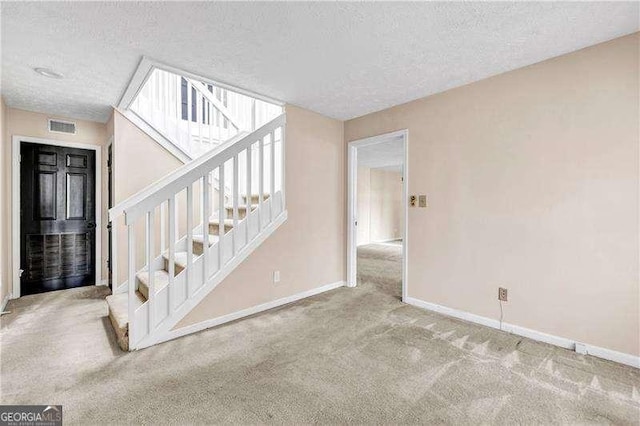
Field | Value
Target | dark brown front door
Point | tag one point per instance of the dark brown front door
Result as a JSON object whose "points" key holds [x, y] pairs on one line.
{"points": [[57, 217]]}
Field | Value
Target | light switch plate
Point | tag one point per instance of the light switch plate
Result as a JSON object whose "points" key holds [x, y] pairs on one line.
{"points": [[422, 201]]}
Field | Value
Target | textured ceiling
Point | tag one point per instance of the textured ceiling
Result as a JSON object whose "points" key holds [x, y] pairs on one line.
{"points": [[340, 59]]}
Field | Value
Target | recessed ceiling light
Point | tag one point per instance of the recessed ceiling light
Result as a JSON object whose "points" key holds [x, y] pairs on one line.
{"points": [[48, 73]]}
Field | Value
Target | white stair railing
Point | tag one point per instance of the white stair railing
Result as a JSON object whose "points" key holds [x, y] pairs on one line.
{"points": [[197, 117], [185, 266]]}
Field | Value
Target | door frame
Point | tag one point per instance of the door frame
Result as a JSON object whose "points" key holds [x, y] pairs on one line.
{"points": [[15, 204], [111, 198], [352, 204]]}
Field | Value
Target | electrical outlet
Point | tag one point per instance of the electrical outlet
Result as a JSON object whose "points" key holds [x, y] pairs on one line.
{"points": [[502, 294], [412, 200], [276, 277]]}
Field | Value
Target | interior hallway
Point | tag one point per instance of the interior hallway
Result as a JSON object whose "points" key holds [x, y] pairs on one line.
{"points": [[346, 356]]}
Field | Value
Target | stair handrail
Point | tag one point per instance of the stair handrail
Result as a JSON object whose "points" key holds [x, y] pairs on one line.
{"points": [[134, 206]]}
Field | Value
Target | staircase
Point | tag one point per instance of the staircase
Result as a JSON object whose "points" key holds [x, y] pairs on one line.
{"points": [[188, 231]]}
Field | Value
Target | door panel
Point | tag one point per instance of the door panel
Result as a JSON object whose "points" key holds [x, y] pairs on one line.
{"points": [[57, 217], [76, 195], [46, 189]]}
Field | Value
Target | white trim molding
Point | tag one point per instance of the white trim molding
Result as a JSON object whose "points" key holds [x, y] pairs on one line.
{"points": [[15, 204], [352, 205], [4, 302], [156, 135], [563, 342], [194, 328], [147, 65]]}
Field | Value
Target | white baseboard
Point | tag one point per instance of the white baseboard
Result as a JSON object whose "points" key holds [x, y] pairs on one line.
{"points": [[183, 331], [608, 354]]}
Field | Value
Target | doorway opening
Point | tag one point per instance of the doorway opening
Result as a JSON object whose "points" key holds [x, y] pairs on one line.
{"points": [[56, 215], [377, 211]]}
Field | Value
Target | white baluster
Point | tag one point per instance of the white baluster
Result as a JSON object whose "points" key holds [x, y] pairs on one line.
{"points": [[163, 99], [178, 83], [172, 252], [165, 89], [272, 176], [199, 115], [248, 199], [209, 131], [236, 195], [189, 113], [260, 180], [163, 228], [150, 250], [221, 216], [219, 126], [131, 248], [189, 239], [253, 114], [205, 226]]}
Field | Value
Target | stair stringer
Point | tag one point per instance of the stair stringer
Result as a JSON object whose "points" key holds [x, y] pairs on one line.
{"points": [[164, 330]]}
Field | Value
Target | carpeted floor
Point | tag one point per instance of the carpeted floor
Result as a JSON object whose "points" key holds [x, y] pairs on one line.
{"points": [[346, 356]]}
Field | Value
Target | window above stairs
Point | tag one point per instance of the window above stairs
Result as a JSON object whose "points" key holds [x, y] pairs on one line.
{"points": [[191, 115]]}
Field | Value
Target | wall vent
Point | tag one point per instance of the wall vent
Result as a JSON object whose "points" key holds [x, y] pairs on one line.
{"points": [[60, 126]]}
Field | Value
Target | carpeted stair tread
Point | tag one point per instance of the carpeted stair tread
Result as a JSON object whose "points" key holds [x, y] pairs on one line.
{"points": [[241, 207], [198, 243], [255, 198], [214, 225], [200, 239], [216, 221], [243, 210], [161, 279], [119, 315], [180, 260]]}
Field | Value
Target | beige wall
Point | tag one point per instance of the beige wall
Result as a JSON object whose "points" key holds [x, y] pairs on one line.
{"points": [[309, 248], [379, 205], [26, 123], [532, 183], [138, 162]]}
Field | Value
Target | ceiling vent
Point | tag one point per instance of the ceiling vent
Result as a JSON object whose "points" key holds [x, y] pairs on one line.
{"points": [[59, 126]]}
